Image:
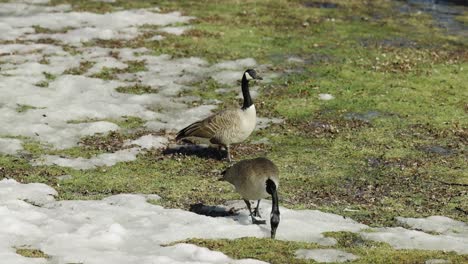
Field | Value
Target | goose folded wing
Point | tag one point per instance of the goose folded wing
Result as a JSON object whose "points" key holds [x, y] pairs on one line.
{"points": [[210, 126]]}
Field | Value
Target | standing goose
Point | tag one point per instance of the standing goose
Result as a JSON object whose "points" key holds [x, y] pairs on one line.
{"points": [[255, 179], [229, 126]]}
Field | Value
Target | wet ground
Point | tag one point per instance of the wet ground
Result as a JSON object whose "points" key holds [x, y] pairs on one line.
{"points": [[443, 12]]}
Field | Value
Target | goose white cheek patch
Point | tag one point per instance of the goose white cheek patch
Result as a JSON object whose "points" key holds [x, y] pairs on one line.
{"points": [[248, 76]]}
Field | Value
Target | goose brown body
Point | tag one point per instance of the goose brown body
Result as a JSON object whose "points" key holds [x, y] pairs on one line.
{"points": [[229, 126], [249, 177], [255, 179], [224, 128]]}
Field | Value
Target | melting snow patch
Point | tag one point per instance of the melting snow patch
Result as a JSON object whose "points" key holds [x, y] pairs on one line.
{"points": [[106, 159], [157, 38], [402, 238], [174, 30], [439, 224], [326, 97], [10, 146], [59, 106], [148, 142], [84, 26], [325, 255], [126, 229], [454, 234], [35, 192], [263, 122], [229, 70], [106, 62], [312, 222]]}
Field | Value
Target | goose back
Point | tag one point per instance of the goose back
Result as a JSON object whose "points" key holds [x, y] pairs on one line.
{"points": [[249, 177]]}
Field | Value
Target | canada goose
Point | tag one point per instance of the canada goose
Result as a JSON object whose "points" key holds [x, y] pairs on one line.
{"points": [[254, 179], [229, 126]]}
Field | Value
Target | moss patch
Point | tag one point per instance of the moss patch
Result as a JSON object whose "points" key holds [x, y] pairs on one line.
{"points": [[276, 251], [31, 253]]}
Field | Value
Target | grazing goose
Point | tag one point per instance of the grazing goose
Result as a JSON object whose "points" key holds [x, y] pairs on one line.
{"points": [[229, 126], [255, 179]]}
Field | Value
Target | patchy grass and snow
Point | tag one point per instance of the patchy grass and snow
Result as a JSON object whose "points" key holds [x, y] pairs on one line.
{"points": [[55, 100], [402, 238], [325, 255], [10, 145], [126, 228], [68, 74], [106, 159]]}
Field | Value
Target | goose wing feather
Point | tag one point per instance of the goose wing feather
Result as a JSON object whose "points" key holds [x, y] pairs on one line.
{"points": [[210, 126]]}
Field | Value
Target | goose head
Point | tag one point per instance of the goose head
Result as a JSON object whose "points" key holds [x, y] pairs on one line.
{"points": [[251, 74]]}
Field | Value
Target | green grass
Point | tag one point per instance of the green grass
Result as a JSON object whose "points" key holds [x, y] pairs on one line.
{"points": [[23, 108], [463, 17], [136, 89], [277, 252], [31, 253], [391, 143]]}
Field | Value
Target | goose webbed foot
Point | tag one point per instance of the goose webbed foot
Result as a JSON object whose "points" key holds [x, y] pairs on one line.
{"points": [[254, 214], [256, 221]]}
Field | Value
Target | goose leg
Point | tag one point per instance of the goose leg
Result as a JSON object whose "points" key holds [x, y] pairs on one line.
{"points": [[254, 220], [228, 153], [256, 211], [221, 149]]}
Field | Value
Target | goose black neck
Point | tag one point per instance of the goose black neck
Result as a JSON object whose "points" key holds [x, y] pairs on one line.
{"points": [[246, 93], [275, 213]]}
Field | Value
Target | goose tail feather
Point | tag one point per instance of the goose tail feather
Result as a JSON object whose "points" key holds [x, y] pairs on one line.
{"points": [[188, 131]]}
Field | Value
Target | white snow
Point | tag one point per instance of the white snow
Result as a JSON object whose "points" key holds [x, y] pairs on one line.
{"points": [[325, 97], [126, 229], [229, 70], [56, 98], [73, 97], [325, 255], [157, 38], [105, 159], [402, 238], [10, 146], [148, 142], [106, 62], [264, 122], [312, 223], [175, 30], [34, 192], [81, 26], [453, 234], [438, 224]]}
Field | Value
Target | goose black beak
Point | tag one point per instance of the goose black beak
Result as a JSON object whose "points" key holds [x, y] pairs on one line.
{"points": [[258, 77]]}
